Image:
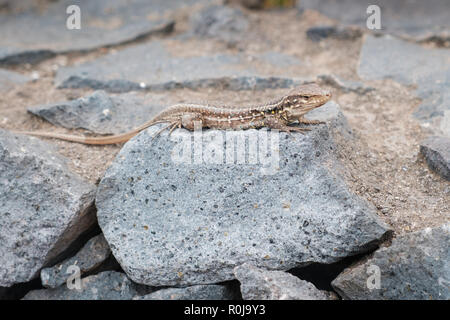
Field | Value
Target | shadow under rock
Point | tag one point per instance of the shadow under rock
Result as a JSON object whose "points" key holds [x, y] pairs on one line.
{"points": [[321, 274]]}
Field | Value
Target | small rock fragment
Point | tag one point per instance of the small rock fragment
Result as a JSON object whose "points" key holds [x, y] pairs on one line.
{"points": [[436, 151], [108, 285], [198, 292], [90, 257], [261, 284], [415, 267]]}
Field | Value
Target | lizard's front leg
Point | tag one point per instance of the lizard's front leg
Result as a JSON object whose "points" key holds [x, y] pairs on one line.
{"points": [[276, 123], [307, 121]]}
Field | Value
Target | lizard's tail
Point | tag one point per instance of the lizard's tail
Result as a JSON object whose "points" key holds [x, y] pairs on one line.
{"points": [[119, 138], [84, 140]]}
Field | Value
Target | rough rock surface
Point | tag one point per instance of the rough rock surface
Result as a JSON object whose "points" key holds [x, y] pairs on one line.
{"points": [[43, 207], [319, 33], [95, 252], [220, 22], [345, 85], [199, 292], [412, 19], [102, 113], [176, 220], [415, 266], [412, 64], [33, 34], [260, 284], [436, 151], [9, 79], [108, 285], [152, 66]]}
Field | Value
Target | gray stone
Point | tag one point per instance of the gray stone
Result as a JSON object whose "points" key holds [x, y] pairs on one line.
{"points": [[261, 284], [9, 79], [44, 207], [174, 220], [278, 59], [345, 85], [436, 151], [415, 267], [34, 34], [220, 22], [108, 285], [101, 113], [95, 252], [413, 19], [199, 292], [412, 64], [405, 62], [152, 66], [319, 33]]}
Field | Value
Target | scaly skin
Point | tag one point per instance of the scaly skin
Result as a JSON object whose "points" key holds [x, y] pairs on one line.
{"points": [[275, 115]]}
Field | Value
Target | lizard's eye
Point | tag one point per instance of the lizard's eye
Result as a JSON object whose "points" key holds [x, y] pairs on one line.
{"points": [[303, 98]]}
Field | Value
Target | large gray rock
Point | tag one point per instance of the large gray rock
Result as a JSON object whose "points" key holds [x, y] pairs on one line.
{"points": [[95, 252], [9, 79], [151, 66], [102, 113], [44, 207], [412, 64], [415, 266], [199, 292], [174, 220], [260, 284], [108, 285], [34, 34], [436, 151], [412, 19]]}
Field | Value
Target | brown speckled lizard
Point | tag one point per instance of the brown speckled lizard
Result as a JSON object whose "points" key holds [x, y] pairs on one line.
{"points": [[275, 115]]}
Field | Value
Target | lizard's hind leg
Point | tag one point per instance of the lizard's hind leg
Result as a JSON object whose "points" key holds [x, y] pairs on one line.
{"points": [[174, 126], [161, 130]]}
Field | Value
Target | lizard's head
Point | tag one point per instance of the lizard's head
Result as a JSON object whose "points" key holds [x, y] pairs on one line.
{"points": [[306, 97]]}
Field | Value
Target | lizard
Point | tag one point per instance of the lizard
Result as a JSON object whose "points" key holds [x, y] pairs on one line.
{"points": [[277, 114]]}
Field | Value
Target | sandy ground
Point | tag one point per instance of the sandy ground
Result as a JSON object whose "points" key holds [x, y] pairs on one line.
{"points": [[385, 167]]}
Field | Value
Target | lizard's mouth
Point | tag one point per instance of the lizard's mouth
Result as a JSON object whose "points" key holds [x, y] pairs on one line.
{"points": [[318, 101], [306, 106]]}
